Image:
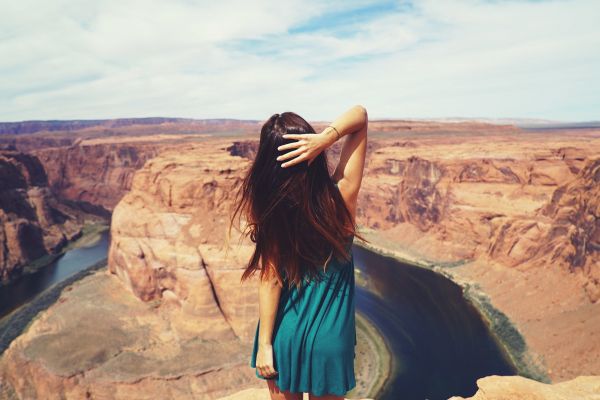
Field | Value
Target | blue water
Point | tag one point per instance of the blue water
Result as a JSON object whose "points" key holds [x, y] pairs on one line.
{"points": [[439, 342], [26, 287]]}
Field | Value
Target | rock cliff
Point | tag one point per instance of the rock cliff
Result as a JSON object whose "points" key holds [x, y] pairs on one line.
{"points": [[575, 213], [91, 162], [33, 223], [98, 341], [168, 239], [517, 387], [96, 175]]}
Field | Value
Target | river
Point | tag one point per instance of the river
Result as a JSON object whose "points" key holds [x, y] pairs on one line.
{"points": [[72, 261], [440, 344]]}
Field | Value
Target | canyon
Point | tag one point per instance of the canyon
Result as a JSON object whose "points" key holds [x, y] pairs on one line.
{"points": [[513, 212], [34, 224]]}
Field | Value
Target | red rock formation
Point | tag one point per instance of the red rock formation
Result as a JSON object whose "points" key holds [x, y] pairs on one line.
{"points": [[575, 213], [169, 245], [506, 208], [100, 342], [564, 232], [99, 174], [521, 211], [92, 161], [32, 222], [517, 387]]}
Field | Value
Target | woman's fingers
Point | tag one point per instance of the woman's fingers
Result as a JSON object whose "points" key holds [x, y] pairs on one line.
{"points": [[266, 371], [303, 148], [295, 161], [290, 154], [293, 135], [299, 140], [290, 145], [300, 155]]}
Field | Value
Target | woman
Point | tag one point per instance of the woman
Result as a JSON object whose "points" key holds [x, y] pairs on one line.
{"points": [[303, 223]]}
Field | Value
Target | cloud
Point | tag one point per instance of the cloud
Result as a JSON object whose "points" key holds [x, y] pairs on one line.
{"points": [[107, 59]]}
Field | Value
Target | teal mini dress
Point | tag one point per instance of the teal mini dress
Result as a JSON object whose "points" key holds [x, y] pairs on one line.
{"points": [[314, 335]]}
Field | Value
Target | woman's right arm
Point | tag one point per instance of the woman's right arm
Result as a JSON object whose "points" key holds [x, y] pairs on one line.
{"points": [[349, 171]]}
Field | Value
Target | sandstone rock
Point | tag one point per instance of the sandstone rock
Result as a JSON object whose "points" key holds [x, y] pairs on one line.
{"points": [[33, 223], [99, 341], [97, 174], [517, 387], [168, 236]]}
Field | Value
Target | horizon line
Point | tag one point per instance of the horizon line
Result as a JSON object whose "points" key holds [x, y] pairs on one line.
{"points": [[375, 119]]}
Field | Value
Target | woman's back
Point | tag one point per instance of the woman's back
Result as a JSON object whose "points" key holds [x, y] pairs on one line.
{"points": [[314, 335]]}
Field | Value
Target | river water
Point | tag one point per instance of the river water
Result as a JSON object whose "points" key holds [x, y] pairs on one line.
{"points": [[28, 286], [439, 343]]}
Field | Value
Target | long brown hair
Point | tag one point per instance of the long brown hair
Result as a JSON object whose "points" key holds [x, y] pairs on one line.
{"points": [[295, 215]]}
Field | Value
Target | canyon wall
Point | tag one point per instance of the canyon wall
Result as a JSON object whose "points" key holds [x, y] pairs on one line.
{"points": [[497, 387], [514, 216], [96, 175], [528, 208], [33, 223], [169, 239]]}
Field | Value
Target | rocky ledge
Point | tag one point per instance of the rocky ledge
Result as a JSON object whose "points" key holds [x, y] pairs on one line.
{"points": [[519, 388]]}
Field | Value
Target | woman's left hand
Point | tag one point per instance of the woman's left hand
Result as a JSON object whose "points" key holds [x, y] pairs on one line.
{"points": [[308, 147]]}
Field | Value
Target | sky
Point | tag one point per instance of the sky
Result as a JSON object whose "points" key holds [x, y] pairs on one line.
{"points": [[70, 59]]}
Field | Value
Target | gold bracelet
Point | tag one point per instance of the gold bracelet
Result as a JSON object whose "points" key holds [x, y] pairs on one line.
{"points": [[336, 131]]}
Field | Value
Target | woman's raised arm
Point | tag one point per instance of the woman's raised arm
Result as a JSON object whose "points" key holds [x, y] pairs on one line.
{"points": [[349, 171]]}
